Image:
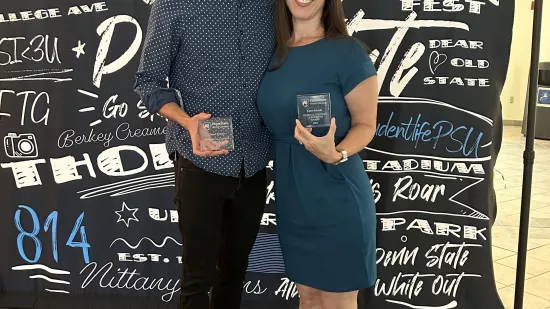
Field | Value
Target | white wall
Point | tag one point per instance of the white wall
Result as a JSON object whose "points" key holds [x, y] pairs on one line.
{"points": [[515, 89], [545, 35]]}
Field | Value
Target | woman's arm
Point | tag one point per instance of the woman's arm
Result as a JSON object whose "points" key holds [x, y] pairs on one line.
{"points": [[362, 104], [359, 85]]}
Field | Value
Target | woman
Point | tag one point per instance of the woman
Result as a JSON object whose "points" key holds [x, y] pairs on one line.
{"points": [[325, 207]]}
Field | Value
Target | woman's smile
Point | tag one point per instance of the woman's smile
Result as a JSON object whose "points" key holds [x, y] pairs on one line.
{"points": [[304, 3]]}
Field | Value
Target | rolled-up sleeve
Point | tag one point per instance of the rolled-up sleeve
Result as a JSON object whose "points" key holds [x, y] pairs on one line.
{"points": [[159, 50]]}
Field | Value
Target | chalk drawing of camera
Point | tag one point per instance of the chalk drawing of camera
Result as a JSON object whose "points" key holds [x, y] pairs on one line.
{"points": [[20, 146]]}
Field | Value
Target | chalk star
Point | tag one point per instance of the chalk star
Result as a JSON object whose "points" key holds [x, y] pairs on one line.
{"points": [[127, 218], [79, 50]]}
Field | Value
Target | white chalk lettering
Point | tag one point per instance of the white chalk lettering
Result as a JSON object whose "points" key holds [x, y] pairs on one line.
{"points": [[426, 165], [375, 190], [70, 137], [270, 192], [453, 255], [287, 289], [80, 9], [450, 43], [256, 289], [390, 224], [441, 228], [459, 81], [473, 6], [268, 219], [66, 140], [161, 159], [447, 286], [402, 257], [415, 52], [129, 280], [111, 109], [469, 63], [25, 173], [139, 257], [124, 131], [64, 169], [427, 192], [412, 56], [155, 214], [37, 49], [110, 161], [41, 99], [400, 285], [106, 30], [30, 15]]}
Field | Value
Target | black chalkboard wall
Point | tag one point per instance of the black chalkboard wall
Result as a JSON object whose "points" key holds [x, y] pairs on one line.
{"points": [[86, 212]]}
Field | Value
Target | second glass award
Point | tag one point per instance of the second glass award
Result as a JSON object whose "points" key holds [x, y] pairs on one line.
{"points": [[314, 110]]}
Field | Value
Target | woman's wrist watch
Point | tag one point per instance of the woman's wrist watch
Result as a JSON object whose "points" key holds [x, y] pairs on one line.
{"points": [[344, 156]]}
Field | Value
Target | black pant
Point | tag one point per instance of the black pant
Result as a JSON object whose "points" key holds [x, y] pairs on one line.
{"points": [[219, 220]]}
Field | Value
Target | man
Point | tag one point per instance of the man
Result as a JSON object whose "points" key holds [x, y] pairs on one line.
{"points": [[214, 54]]}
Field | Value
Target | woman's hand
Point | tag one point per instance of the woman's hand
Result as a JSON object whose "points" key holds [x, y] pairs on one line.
{"points": [[323, 147]]}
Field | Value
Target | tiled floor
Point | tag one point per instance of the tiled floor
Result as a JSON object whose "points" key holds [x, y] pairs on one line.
{"points": [[508, 179]]}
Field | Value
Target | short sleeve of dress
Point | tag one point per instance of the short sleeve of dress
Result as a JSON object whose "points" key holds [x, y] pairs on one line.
{"points": [[356, 66]]}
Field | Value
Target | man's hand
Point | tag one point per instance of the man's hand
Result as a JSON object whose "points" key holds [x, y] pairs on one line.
{"points": [[209, 148], [174, 112]]}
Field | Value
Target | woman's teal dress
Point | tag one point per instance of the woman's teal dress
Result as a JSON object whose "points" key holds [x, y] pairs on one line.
{"points": [[325, 214]]}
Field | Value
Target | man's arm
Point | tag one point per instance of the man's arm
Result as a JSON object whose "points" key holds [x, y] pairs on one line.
{"points": [[159, 50]]}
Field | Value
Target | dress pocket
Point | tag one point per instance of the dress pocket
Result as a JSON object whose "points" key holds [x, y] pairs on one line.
{"points": [[332, 172]]}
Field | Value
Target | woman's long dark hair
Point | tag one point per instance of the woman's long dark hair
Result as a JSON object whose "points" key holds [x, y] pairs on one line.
{"points": [[332, 20]]}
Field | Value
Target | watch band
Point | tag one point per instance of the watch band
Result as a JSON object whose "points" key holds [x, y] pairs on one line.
{"points": [[344, 156]]}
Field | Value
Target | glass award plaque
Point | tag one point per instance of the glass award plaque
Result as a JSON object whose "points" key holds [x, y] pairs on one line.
{"points": [[314, 110], [216, 134]]}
